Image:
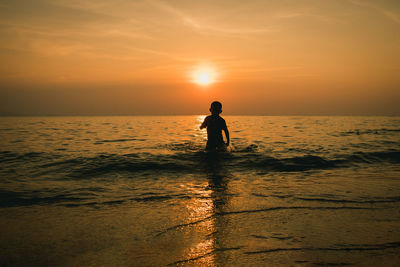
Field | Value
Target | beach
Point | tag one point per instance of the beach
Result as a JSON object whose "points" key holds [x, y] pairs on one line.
{"points": [[142, 191]]}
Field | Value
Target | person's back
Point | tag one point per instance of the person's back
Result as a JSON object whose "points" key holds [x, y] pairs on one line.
{"points": [[215, 125]]}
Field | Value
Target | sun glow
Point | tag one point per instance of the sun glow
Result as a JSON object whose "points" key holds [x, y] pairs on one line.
{"points": [[204, 76]]}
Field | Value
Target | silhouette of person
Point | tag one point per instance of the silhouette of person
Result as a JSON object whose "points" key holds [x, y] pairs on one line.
{"points": [[215, 124]]}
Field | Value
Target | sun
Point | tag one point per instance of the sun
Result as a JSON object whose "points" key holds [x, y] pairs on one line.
{"points": [[204, 76]]}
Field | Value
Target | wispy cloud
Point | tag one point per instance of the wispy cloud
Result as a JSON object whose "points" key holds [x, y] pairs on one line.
{"points": [[250, 39], [207, 27], [389, 14]]}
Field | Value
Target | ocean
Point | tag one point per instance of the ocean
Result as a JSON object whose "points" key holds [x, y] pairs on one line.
{"points": [[142, 191]]}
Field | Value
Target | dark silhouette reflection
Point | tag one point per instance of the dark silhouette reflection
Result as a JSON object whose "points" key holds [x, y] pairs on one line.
{"points": [[210, 230], [218, 178], [218, 182]]}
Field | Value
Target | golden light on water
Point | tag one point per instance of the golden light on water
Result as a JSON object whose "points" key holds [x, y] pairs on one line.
{"points": [[200, 209], [201, 134]]}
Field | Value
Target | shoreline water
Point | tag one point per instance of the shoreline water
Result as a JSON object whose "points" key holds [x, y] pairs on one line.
{"points": [[142, 191]]}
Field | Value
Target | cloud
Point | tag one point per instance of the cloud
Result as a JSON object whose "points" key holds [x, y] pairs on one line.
{"points": [[205, 26], [389, 14]]}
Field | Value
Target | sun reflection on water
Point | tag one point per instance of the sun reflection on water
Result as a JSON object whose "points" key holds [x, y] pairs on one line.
{"points": [[200, 133], [207, 227], [201, 209]]}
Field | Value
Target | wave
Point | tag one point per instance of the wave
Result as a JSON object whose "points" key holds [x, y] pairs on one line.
{"points": [[337, 248], [344, 201], [344, 247], [192, 161], [333, 200], [313, 162], [116, 141], [89, 197], [6, 156], [74, 199], [14, 199], [370, 131]]}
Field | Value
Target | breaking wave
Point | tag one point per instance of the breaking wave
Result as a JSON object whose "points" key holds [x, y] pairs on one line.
{"points": [[192, 162]]}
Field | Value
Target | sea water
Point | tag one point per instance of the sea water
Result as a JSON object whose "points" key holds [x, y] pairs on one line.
{"points": [[130, 191]]}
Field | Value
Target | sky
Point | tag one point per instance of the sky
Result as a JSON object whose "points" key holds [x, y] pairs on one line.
{"points": [[141, 57]]}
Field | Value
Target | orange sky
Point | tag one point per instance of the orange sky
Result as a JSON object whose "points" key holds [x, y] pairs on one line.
{"points": [[125, 57]]}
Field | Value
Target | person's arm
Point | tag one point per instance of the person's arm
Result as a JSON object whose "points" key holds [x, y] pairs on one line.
{"points": [[226, 135], [204, 124]]}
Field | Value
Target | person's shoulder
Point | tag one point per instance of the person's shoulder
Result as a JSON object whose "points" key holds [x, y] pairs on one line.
{"points": [[207, 119], [221, 119]]}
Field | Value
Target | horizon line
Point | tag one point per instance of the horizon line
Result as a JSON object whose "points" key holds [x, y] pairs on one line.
{"points": [[171, 115]]}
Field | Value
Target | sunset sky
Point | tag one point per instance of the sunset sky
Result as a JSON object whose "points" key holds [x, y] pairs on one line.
{"points": [[132, 57]]}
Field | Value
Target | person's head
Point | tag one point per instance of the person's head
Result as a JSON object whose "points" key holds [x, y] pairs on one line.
{"points": [[216, 108]]}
